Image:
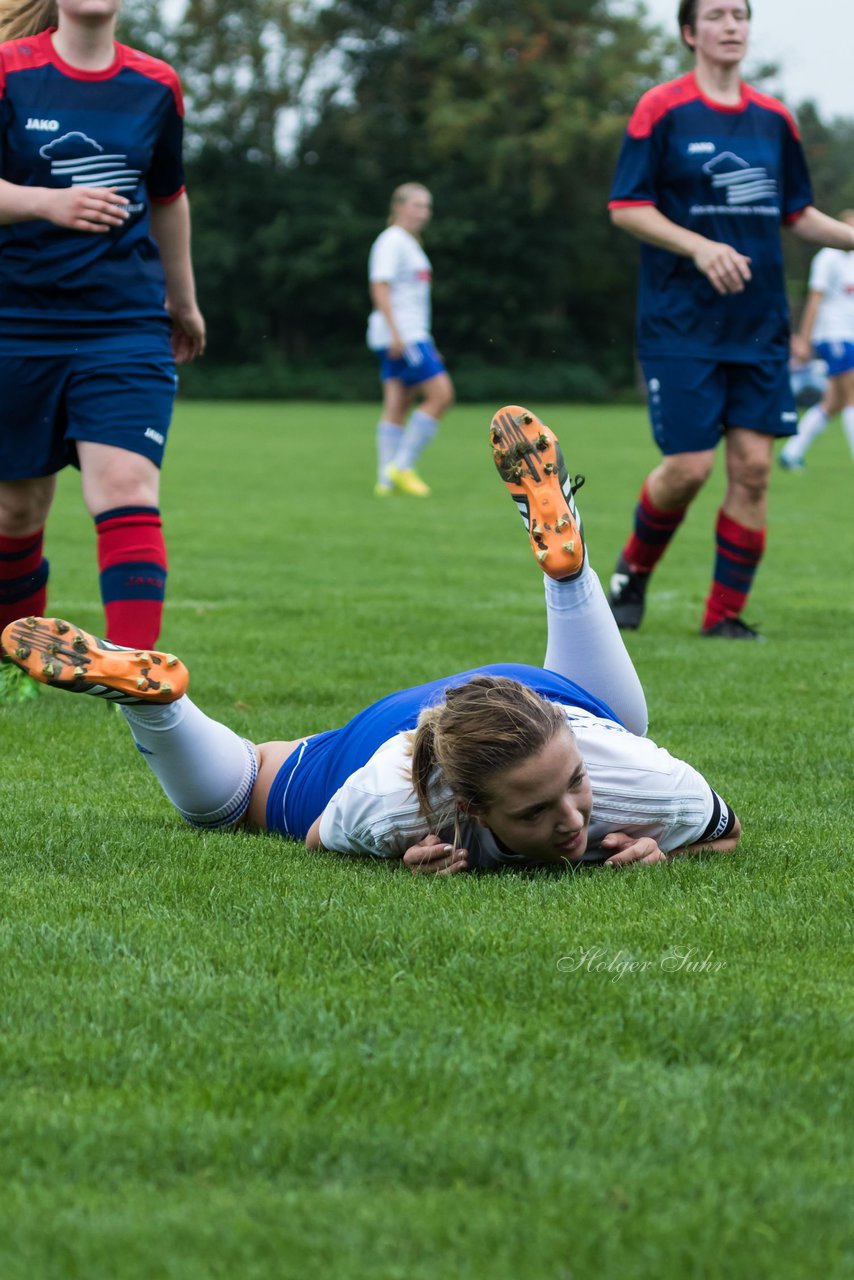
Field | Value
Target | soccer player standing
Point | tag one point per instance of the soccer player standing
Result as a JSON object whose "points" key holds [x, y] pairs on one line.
{"points": [[827, 327], [709, 172], [97, 298], [411, 368]]}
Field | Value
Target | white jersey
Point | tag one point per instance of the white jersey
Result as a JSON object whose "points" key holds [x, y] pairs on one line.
{"points": [[638, 788], [832, 275], [398, 260]]}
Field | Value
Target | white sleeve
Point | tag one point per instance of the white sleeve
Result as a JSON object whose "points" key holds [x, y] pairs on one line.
{"points": [[824, 270], [375, 812], [385, 255], [643, 790]]}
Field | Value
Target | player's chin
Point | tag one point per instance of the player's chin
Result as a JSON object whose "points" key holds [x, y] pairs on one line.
{"points": [[569, 850]]}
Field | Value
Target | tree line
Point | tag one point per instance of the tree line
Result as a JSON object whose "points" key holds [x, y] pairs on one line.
{"points": [[303, 117]]}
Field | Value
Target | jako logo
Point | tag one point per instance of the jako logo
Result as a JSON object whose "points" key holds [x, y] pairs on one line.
{"points": [[696, 147], [151, 434], [44, 126]]}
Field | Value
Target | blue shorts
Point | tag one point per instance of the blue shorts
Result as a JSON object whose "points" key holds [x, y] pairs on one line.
{"points": [[692, 402], [838, 356], [419, 363], [312, 774], [109, 391]]}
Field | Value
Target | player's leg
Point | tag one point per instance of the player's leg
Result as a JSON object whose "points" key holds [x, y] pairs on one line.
{"points": [[760, 407], [846, 389], [584, 642], [810, 427], [429, 380], [32, 451], [685, 400], [397, 399], [119, 408], [207, 771]]}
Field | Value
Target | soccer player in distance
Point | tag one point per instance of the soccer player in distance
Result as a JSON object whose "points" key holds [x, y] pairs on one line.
{"points": [[411, 368], [504, 765], [97, 298], [709, 172], [827, 327]]}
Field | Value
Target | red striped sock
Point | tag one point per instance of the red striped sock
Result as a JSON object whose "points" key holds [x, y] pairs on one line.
{"points": [[652, 533], [23, 577], [738, 551], [132, 563]]}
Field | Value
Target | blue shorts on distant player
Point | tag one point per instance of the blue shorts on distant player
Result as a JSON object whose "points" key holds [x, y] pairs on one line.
{"points": [[838, 356], [692, 402], [109, 391], [420, 362]]}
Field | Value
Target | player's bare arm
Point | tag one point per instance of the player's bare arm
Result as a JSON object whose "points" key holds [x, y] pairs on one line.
{"points": [[170, 227], [93, 209], [727, 270]]}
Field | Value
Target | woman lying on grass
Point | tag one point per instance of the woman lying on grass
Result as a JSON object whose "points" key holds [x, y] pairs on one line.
{"points": [[503, 765]]}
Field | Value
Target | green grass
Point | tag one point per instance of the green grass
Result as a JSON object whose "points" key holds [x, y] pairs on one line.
{"points": [[224, 1057]]}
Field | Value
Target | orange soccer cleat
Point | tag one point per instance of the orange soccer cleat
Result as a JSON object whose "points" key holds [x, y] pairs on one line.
{"points": [[58, 653], [530, 462]]}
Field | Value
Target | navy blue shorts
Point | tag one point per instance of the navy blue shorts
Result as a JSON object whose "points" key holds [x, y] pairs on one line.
{"points": [[838, 356], [117, 392], [692, 402], [419, 363]]}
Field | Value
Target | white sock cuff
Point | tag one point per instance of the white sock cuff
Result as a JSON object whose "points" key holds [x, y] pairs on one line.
{"points": [[234, 809]]}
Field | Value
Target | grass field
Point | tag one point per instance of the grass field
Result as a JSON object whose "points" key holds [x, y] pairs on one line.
{"points": [[224, 1057]]}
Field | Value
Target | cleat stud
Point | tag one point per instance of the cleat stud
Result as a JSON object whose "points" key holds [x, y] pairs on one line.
{"points": [[60, 627], [30, 622], [541, 555], [570, 547], [550, 468], [143, 657], [537, 530], [166, 687], [527, 419], [52, 646], [49, 669], [542, 440], [497, 435], [171, 660], [79, 672], [141, 682], [23, 651], [79, 643]]}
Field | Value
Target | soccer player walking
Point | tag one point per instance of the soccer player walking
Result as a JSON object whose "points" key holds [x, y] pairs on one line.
{"points": [[827, 327], [709, 172], [411, 368], [97, 298]]}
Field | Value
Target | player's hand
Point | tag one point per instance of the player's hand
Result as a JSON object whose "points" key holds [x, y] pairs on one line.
{"points": [[94, 209], [188, 332], [727, 270], [801, 349], [396, 347], [435, 856], [631, 849]]}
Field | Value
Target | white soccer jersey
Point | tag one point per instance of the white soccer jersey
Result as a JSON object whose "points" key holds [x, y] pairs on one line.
{"points": [[638, 788], [398, 260], [832, 275]]}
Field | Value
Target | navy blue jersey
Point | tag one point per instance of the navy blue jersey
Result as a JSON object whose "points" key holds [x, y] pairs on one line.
{"points": [[731, 174], [62, 127]]}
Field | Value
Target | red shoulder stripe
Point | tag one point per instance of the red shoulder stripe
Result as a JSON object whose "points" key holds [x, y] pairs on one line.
{"points": [[155, 69], [19, 55], [656, 103], [772, 104]]}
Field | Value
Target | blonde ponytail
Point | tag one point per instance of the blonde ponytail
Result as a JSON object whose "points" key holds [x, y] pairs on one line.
{"points": [[21, 18]]}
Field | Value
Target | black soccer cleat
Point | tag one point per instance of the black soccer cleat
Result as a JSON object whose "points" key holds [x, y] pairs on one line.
{"points": [[627, 596], [733, 629]]}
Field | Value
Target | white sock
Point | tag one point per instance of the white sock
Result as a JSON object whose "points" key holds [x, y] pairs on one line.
{"points": [[206, 770], [585, 644], [388, 442], [848, 426], [419, 431], [811, 425]]}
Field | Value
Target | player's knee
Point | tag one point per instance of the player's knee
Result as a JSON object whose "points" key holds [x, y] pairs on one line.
{"points": [[22, 511], [683, 475]]}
